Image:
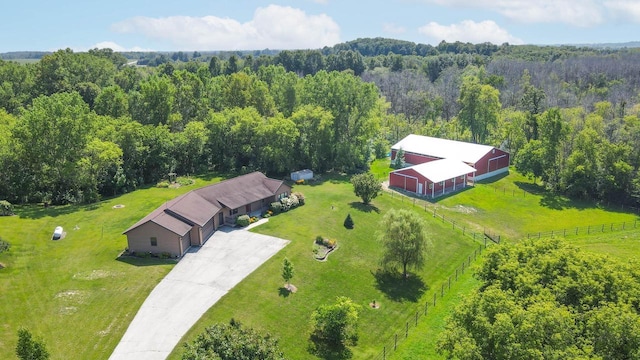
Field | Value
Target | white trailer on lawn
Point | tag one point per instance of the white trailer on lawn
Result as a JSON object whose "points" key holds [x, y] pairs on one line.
{"points": [[305, 174]]}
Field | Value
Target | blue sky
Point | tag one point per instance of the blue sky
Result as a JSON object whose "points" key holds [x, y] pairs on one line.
{"points": [[255, 24]]}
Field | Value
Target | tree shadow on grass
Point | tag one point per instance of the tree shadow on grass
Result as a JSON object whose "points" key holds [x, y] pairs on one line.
{"points": [[398, 289], [284, 292], [554, 201], [328, 351], [39, 211], [150, 261], [367, 208]]}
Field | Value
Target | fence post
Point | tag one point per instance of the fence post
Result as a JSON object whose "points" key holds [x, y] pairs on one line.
{"points": [[588, 229], [456, 274], [406, 332], [454, 224], [463, 267], [442, 217], [434, 299], [576, 231], [395, 343], [611, 229], [602, 228], [426, 308], [416, 318], [469, 260], [442, 291], [384, 353], [564, 232], [434, 212], [449, 283]]}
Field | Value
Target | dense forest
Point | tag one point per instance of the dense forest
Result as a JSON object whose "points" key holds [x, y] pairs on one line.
{"points": [[75, 127]]}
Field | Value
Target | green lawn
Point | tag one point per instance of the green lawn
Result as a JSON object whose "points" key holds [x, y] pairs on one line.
{"points": [[74, 293], [513, 206], [349, 271]]}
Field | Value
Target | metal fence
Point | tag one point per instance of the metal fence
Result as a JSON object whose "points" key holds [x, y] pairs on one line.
{"points": [[477, 235], [585, 230], [413, 317]]}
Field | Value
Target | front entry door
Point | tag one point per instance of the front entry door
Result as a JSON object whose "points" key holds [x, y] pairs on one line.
{"points": [[420, 188], [220, 219]]}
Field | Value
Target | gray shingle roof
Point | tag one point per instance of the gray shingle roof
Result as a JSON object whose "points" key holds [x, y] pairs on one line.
{"points": [[199, 206]]}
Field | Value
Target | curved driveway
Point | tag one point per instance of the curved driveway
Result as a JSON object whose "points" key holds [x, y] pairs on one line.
{"points": [[197, 282]]}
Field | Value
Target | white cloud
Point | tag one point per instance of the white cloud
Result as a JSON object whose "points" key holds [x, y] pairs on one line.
{"points": [[581, 13], [393, 29], [469, 31], [273, 27], [625, 9], [116, 47]]}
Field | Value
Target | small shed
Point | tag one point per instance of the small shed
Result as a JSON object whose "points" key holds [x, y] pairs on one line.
{"points": [[305, 174]]}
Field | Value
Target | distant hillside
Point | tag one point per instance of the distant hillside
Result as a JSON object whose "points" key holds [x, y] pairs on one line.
{"points": [[18, 55], [627, 45]]}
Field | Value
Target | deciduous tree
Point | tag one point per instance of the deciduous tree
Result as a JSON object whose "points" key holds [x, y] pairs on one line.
{"points": [[366, 186], [404, 238]]}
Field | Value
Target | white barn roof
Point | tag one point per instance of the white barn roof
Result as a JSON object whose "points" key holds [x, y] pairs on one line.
{"points": [[441, 170], [443, 148]]}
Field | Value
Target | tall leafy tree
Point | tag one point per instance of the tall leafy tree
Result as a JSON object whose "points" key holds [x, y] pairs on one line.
{"points": [[232, 342], [405, 241], [29, 348], [479, 108], [335, 325], [366, 186]]}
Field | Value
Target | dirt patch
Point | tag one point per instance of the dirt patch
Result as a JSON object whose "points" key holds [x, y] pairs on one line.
{"points": [[68, 310], [292, 288], [465, 209], [118, 206], [94, 275], [2, 266], [72, 296]]}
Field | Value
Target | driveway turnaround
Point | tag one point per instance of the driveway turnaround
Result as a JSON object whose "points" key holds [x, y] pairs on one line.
{"points": [[197, 282]]}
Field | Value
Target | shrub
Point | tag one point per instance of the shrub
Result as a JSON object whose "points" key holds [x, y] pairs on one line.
{"points": [[300, 197], [185, 181], [4, 246], [164, 255], [163, 184], [6, 208], [266, 215], [319, 240], [331, 243], [348, 222], [276, 207], [243, 220]]}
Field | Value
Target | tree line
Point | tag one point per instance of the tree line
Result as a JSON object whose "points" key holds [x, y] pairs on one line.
{"points": [[569, 116], [547, 300]]}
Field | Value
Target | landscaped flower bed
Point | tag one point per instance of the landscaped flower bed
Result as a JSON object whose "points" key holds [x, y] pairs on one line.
{"points": [[322, 247]]}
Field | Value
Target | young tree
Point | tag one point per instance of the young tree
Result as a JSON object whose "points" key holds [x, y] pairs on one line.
{"points": [[29, 348], [287, 272], [348, 222], [230, 342], [366, 186], [405, 240], [336, 325], [398, 162]]}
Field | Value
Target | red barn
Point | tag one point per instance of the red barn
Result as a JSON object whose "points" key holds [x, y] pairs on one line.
{"points": [[487, 160], [433, 178]]}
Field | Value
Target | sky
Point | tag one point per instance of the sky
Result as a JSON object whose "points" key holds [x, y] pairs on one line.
{"points": [[205, 25]]}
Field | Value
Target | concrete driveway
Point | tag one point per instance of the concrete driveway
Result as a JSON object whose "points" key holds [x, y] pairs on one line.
{"points": [[197, 282]]}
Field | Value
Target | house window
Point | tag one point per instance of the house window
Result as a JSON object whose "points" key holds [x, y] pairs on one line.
{"points": [[154, 241], [233, 212]]}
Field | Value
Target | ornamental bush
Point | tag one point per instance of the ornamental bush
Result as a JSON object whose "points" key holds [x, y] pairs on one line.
{"points": [[276, 207], [243, 220], [6, 208], [300, 197]]}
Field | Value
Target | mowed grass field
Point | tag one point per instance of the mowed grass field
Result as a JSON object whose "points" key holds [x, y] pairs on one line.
{"points": [[79, 298], [512, 206], [74, 293], [258, 302]]}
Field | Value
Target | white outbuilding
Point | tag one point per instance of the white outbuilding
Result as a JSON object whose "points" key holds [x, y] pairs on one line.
{"points": [[305, 174]]}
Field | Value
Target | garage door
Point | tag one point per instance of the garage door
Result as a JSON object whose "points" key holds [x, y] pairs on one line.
{"points": [[207, 230], [186, 241]]}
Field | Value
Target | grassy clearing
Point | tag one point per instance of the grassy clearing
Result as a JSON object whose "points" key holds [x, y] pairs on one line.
{"points": [[259, 301], [513, 206], [624, 245], [74, 293], [422, 339]]}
